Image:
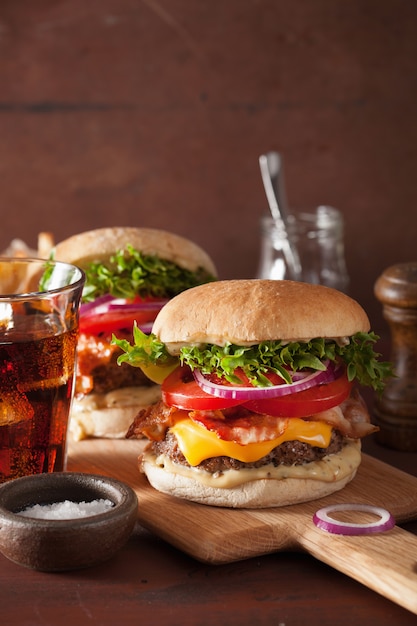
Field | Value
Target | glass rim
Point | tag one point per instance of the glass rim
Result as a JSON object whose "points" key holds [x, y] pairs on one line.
{"points": [[323, 218], [76, 282], [322, 210]]}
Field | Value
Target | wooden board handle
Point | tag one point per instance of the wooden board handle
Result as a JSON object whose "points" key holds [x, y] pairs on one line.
{"points": [[385, 562]]}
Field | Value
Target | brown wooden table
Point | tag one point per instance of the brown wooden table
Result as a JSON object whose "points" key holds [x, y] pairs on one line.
{"points": [[150, 582]]}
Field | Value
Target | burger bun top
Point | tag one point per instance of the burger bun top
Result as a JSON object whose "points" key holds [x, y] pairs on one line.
{"points": [[247, 312], [100, 244]]}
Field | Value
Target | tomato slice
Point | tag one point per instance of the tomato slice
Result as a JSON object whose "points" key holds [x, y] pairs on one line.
{"points": [[304, 403], [180, 389], [108, 323]]}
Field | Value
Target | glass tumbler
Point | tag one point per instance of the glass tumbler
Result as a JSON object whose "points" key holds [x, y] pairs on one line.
{"points": [[39, 304], [309, 249]]}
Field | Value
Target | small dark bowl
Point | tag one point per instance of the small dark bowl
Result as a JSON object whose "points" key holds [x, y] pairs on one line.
{"points": [[59, 545]]}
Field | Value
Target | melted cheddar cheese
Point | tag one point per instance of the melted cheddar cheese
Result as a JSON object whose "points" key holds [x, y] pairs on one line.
{"points": [[197, 443]]}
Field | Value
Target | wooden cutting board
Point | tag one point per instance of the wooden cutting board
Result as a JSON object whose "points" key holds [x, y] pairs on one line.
{"points": [[385, 562]]}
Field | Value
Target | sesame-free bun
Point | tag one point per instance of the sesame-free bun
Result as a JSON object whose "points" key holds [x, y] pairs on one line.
{"points": [[102, 243], [246, 312], [251, 494]]}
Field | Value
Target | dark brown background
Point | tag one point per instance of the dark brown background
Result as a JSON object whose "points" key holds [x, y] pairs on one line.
{"points": [[154, 112]]}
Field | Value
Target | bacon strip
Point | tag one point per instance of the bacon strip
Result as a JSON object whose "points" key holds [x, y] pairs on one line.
{"points": [[244, 427], [238, 424], [351, 417], [91, 352], [153, 422]]}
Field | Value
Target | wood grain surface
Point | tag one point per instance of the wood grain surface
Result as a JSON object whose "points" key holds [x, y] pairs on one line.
{"points": [[385, 562], [155, 113]]}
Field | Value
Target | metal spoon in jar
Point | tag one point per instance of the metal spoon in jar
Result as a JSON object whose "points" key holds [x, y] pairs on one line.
{"points": [[272, 177]]}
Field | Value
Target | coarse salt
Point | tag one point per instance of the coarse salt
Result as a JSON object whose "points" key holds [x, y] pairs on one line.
{"points": [[67, 509]]}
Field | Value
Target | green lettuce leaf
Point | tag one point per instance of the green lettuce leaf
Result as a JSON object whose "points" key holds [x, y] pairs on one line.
{"points": [[146, 350], [282, 358], [358, 355], [129, 273]]}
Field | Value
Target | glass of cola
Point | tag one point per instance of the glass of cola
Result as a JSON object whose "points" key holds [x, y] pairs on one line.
{"points": [[39, 305]]}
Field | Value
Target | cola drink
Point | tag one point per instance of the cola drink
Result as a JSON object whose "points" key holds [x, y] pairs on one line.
{"points": [[36, 383], [39, 305]]}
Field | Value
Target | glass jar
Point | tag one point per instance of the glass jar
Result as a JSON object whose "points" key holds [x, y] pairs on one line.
{"points": [[310, 248]]}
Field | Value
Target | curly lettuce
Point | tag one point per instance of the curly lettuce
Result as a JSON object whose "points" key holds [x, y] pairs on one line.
{"points": [[129, 273], [362, 362]]}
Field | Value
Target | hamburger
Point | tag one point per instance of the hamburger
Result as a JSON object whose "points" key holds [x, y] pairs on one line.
{"points": [[262, 408], [130, 275]]}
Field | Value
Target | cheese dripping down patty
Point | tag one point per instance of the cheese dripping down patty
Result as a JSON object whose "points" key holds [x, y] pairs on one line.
{"points": [[198, 444]]}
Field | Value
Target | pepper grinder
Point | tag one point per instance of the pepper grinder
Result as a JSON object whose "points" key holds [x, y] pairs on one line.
{"points": [[396, 408]]}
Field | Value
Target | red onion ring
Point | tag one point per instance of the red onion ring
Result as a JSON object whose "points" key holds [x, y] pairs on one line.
{"points": [[137, 306], [324, 521], [88, 307], [146, 327], [275, 391], [107, 303]]}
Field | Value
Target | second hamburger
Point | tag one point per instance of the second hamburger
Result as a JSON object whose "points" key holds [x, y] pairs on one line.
{"points": [[130, 274]]}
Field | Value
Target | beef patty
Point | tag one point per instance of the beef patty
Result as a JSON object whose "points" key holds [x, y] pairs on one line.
{"points": [[287, 453]]}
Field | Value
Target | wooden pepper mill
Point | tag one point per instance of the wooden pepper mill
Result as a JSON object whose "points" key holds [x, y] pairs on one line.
{"points": [[396, 408]]}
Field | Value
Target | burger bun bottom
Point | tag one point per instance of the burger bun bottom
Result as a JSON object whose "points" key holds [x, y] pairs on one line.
{"points": [[256, 494], [109, 415]]}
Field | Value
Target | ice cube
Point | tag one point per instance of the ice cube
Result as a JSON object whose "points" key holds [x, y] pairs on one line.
{"points": [[14, 408]]}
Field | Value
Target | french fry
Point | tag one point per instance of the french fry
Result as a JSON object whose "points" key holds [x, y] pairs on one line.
{"points": [[45, 244]]}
